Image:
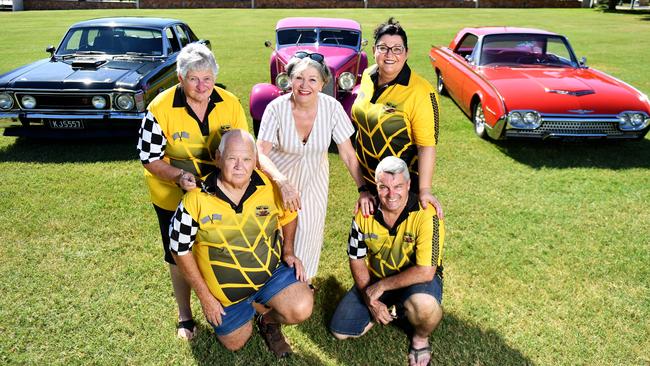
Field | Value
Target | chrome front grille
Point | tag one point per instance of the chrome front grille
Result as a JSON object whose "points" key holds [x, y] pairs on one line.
{"points": [[571, 127], [65, 101]]}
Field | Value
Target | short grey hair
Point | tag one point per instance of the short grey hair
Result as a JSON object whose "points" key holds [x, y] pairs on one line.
{"points": [[297, 65], [196, 57], [392, 165], [245, 135]]}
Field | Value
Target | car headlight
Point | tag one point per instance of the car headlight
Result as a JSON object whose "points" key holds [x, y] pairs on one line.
{"points": [[282, 81], [6, 101], [524, 119], [633, 121], [125, 102], [28, 102], [99, 102], [346, 81]]}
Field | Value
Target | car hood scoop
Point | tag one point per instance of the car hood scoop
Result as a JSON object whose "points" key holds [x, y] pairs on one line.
{"points": [[575, 93], [88, 63]]}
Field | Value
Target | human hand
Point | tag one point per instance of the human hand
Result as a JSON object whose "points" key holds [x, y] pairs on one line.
{"points": [[380, 312], [295, 263], [212, 309], [187, 181], [366, 203], [427, 198], [290, 195]]}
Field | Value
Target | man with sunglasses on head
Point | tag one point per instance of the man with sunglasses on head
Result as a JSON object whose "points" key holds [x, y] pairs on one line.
{"points": [[396, 261], [397, 114]]}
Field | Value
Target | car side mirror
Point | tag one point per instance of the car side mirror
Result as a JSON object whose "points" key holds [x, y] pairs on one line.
{"points": [[267, 44], [51, 50], [469, 58], [583, 62], [364, 42]]}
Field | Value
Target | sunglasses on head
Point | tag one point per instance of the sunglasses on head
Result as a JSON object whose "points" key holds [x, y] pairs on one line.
{"points": [[314, 56]]}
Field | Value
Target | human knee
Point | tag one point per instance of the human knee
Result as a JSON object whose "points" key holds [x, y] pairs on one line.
{"points": [[234, 344], [423, 308], [300, 309]]}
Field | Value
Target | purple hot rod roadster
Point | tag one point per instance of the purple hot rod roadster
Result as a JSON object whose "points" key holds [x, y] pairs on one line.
{"points": [[339, 40]]}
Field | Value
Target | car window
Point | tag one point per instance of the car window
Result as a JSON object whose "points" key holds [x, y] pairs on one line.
{"points": [[466, 45], [173, 41], [112, 41], [296, 36], [182, 36], [526, 49], [339, 37]]}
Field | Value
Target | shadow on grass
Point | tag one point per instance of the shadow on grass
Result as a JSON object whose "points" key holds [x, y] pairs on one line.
{"points": [[70, 151], [613, 155], [454, 342]]}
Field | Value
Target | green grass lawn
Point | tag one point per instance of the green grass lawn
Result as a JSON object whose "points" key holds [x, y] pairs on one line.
{"points": [[546, 257]]}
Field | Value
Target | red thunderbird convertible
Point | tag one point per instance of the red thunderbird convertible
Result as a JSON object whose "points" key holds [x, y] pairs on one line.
{"points": [[528, 83]]}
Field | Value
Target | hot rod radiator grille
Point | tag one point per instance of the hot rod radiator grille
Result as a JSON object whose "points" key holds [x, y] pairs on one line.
{"points": [[329, 88], [65, 101]]}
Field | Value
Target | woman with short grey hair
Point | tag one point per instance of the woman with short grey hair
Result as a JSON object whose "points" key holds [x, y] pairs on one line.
{"points": [[178, 138], [295, 133]]}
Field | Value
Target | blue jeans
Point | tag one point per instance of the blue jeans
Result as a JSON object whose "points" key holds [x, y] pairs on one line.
{"points": [[352, 315], [240, 313]]}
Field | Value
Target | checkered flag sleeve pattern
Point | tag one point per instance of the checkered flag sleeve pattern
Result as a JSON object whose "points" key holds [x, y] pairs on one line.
{"points": [[357, 248], [152, 142], [182, 231]]}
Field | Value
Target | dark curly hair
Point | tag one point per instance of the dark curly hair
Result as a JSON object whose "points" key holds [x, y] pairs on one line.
{"points": [[391, 27]]}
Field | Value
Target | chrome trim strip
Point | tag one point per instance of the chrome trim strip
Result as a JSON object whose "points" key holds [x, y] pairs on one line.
{"points": [[496, 131], [85, 116]]}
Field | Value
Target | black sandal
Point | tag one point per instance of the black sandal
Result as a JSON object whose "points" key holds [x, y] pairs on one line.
{"points": [[189, 325]]}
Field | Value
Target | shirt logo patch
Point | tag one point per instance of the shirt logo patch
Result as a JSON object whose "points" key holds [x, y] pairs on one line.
{"points": [[390, 107], [181, 135], [409, 238], [224, 128], [212, 218], [261, 211], [370, 236]]}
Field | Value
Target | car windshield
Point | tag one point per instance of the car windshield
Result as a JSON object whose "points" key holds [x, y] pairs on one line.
{"points": [[337, 37], [525, 50], [112, 41]]}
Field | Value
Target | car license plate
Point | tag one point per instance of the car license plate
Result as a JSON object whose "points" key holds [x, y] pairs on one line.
{"points": [[69, 124]]}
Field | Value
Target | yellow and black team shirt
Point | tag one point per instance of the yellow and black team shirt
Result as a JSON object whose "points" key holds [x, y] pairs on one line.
{"points": [[416, 239], [171, 131], [392, 120], [236, 247]]}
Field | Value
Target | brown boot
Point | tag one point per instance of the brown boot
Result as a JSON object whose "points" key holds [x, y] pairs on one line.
{"points": [[273, 337]]}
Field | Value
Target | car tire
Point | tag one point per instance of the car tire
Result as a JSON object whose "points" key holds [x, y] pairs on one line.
{"points": [[440, 84], [478, 119]]}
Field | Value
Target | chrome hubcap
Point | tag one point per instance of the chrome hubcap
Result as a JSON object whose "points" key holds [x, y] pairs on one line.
{"points": [[479, 120]]}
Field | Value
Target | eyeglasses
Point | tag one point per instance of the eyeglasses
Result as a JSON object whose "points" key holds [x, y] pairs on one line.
{"points": [[314, 56], [396, 50]]}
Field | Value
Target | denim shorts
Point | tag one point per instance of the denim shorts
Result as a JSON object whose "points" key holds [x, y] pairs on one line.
{"points": [[240, 313], [352, 315]]}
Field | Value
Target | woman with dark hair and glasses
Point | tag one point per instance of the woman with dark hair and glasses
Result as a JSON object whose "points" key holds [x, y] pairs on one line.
{"points": [[397, 114], [295, 133]]}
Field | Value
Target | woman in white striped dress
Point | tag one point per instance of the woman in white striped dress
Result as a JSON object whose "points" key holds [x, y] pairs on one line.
{"points": [[295, 133]]}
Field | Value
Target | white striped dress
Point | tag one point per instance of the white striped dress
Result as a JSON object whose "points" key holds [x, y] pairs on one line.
{"points": [[306, 165]]}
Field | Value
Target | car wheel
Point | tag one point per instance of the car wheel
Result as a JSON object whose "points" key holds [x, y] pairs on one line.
{"points": [[440, 84], [478, 117]]}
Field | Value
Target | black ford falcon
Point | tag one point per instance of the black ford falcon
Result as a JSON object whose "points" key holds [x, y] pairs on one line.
{"points": [[97, 82]]}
